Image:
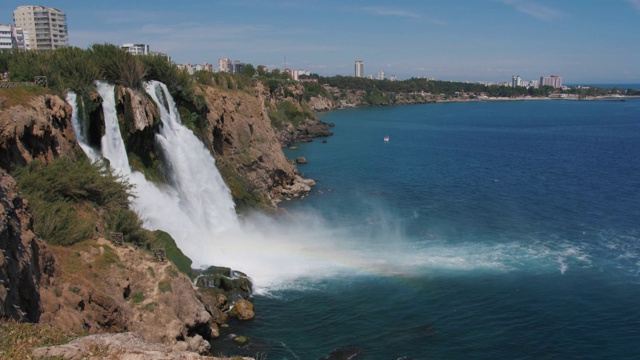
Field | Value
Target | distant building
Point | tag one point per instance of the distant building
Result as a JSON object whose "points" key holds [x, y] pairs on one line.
{"points": [[136, 49], [393, 78], [225, 65], [238, 67], [157, 53], [381, 75], [359, 69], [13, 37], [553, 80], [46, 27], [516, 81]]}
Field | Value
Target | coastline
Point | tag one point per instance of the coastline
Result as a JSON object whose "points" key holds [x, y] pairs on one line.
{"points": [[620, 98]]}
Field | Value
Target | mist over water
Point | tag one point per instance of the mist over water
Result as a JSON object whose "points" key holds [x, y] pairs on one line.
{"points": [[305, 246], [493, 230]]}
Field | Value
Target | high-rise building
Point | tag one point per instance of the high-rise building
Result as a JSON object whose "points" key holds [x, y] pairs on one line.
{"points": [[13, 37], [381, 75], [553, 80], [238, 67], [136, 49], [516, 81], [225, 65], [359, 69], [47, 27]]}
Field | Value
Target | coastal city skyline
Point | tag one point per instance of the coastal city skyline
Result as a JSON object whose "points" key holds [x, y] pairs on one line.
{"points": [[584, 41]]}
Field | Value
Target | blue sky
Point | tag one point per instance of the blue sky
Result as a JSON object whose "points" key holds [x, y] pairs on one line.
{"points": [[584, 41]]}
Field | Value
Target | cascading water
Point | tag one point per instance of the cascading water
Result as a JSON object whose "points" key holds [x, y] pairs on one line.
{"points": [[196, 208], [79, 130], [202, 192], [112, 145]]}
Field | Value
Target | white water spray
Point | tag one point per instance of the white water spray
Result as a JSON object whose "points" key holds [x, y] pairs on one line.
{"points": [[196, 208]]}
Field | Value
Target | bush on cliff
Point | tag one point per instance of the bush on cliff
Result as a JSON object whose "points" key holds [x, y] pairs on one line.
{"points": [[64, 197]]}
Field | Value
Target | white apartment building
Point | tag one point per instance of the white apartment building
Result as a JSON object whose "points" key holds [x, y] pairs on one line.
{"points": [[13, 37], [225, 65], [47, 27], [553, 80], [136, 49], [381, 75], [359, 70]]}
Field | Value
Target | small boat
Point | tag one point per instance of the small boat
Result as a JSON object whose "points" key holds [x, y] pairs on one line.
{"points": [[386, 138]]}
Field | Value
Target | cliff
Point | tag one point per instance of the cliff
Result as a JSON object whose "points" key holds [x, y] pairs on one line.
{"points": [[26, 264], [94, 286], [39, 129], [239, 133]]}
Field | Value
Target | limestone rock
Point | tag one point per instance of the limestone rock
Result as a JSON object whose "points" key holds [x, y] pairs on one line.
{"points": [[243, 310], [40, 130], [25, 261], [123, 346]]}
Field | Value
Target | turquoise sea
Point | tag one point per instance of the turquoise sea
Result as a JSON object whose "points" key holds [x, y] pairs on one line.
{"points": [[499, 230]]}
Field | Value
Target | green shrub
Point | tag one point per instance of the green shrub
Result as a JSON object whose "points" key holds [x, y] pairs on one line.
{"points": [[174, 254], [65, 194]]}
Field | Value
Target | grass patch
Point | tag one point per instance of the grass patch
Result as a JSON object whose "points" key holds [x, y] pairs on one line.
{"points": [[137, 297], [174, 254], [21, 95], [150, 307], [151, 271], [107, 258], [18, 340], [164, 286]]}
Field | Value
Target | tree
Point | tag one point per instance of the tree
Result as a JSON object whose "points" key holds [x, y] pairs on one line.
{"points": [[249, 70], [262, 70]]}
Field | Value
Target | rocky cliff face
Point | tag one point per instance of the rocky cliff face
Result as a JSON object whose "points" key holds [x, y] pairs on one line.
{"points": [[38, 131], [25, 262], [102, 287], [99, 287], [244, 142]]}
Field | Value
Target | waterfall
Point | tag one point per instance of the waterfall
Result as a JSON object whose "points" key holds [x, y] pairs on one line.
{"points": [[197, 209], [192, 170], [112, 144], [79, 130]]}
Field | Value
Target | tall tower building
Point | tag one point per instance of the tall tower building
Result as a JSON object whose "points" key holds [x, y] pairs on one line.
{"points": [[516, 81], [359, 69], [47, 27]]}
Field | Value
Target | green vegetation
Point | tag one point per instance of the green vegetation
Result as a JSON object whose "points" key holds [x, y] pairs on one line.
{"points": [[107, 258], [137, 297], [18, 340], [64, 195], [69, 198], [164, 240], [164, 286], [72, 68], [288, 112]]}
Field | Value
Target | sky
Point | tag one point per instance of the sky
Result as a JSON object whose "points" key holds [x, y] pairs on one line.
{"points": [[584, 41]]}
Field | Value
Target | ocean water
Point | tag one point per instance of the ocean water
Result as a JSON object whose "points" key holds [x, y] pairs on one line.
{"points": [[492, 230]]}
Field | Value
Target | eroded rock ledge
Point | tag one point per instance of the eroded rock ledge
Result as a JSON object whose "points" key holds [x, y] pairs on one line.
{"points": [[122, 346]]}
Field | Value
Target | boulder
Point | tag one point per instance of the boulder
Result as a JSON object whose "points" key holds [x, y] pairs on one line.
{"points": [[243, 310]]}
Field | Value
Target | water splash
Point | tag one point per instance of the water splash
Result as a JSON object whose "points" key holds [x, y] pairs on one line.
{"points": [[196, 208]]}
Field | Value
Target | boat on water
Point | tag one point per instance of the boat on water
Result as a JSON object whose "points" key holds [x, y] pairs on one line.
{"points": [[386, 138]]}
